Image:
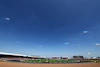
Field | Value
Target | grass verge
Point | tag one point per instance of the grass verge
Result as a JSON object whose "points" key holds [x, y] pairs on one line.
{"points": [[97, 61], [1, 60]]}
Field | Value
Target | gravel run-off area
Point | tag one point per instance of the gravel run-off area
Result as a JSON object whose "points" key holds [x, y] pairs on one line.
{"points": [[14, 64]]}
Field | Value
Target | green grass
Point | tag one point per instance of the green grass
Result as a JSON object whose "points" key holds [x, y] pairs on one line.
{"points": [[36, 61], [1, 60], [97, 61], [58, 61], [50, 61]]}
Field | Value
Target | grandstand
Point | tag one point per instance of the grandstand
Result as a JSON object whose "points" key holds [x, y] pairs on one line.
{"points": [[17, 56], [78, 57]]}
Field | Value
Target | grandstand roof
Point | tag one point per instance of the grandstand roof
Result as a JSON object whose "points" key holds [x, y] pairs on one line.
{"points": [[11, 54]]}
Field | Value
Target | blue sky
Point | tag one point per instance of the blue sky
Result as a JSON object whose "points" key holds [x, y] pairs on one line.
{"points": [[50, 27]]}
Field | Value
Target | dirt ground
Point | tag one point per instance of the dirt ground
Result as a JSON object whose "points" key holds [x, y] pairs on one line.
{"points": [[12, 64]]}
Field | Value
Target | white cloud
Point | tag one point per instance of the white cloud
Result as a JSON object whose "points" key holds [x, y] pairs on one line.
{"points": [[7, 18], [78, 45], [85, 31], [17, 41], [66, 43], [97, 43], [89, 53]]}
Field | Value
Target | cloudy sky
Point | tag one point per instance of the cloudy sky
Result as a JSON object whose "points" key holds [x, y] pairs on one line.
{"points": [[50, 27]]}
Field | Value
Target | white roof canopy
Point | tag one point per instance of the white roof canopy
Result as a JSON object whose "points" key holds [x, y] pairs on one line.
{"points": [[12, 54]]}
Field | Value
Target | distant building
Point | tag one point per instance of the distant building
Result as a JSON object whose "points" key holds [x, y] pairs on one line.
{"points": [[55, 57], [78, 57], [93, 57], [37, 57], [64, 58]]}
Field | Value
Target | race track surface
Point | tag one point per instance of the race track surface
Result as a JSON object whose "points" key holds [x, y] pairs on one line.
{"points": [[13, 64]]}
